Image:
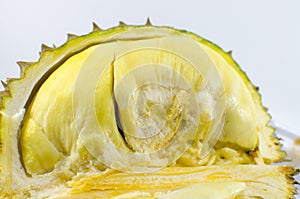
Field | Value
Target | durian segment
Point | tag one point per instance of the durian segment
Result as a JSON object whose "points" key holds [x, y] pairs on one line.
{"points": [[184, 59], [173, 87], [152, 107], [40, 155], [240, 114], [49, 120], [268, 144]]}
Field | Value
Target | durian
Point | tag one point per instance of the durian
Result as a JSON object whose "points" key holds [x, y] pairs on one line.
{"points": [[137, 112]]}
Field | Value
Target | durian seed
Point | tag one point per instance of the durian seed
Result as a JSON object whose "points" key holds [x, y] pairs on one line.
{"points": [[148, 22], [71, 36], [96, 28], [121, 23]]}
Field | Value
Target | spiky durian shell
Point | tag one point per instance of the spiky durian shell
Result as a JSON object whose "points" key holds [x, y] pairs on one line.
{"points": [[18, 93]]}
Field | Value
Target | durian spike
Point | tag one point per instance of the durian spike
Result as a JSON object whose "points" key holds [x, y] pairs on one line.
{"points": [[4, 84], [44, 48], [121, 23], [229, 52], [96, 28], [23, 65], [71, 36], [11, 79], [148, 22]]}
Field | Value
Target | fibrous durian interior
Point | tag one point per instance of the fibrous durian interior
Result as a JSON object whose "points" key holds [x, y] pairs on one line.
{"points": [[133, 99]]}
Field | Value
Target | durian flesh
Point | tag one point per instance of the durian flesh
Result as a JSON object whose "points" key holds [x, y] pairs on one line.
{"points": [[137, 99]]}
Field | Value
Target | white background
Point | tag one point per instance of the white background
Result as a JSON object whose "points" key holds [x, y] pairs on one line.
{"points": [[263, 34]]}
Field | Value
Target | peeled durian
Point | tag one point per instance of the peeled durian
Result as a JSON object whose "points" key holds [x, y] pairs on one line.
{"points": [[137, 112]]}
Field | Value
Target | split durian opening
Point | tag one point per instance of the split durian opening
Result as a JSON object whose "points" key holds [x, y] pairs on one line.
{"points": [[136, 106]]}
